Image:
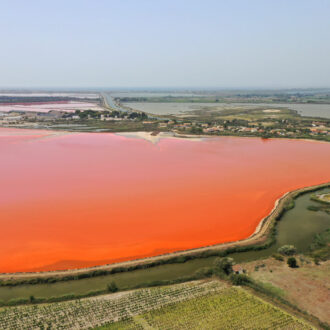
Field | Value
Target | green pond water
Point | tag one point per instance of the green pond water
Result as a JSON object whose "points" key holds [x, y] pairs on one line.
{"points": [[297, 227]]}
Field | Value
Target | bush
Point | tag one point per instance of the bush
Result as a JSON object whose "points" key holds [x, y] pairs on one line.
{"points": [[203, 272], [17, 301], [112, 287], [224, 265], [292, 262], [289, 205], [288, 250], [312, 208], [62, 298], [277, 256], [239, 279], [256, 267]]}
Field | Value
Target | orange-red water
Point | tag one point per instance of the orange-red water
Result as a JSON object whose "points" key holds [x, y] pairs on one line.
{"points": [[85, 199]]}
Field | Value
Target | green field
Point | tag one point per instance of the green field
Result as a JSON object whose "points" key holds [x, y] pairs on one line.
{"points": [[233, 308], [91, 312], [193, 305]]}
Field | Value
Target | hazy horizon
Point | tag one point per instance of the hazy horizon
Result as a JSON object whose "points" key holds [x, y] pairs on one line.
{"points": [[164, 89], [220, 45]]}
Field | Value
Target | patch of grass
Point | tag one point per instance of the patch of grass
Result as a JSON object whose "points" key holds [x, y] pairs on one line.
{"points": [[271, 289], [278, 256], [320, 248], [313, 208]]}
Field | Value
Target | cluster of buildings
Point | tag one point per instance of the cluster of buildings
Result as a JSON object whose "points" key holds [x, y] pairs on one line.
{"points": [[319, 128], [272, 128], [9, 118], [18, 117]]}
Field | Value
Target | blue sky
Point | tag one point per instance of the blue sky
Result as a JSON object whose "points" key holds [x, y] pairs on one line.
{"points": [[165, 43]]}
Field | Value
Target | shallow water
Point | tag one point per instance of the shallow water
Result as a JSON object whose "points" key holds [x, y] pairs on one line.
{"points": [[86, 199], [168, 108], [309, 110], [297, 227], [69, 106]]}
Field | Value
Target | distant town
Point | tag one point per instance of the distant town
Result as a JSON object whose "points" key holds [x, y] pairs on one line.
{"points": [[102, 112]]}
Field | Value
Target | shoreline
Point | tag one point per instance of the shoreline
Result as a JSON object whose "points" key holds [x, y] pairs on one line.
{"points": [[260, 235], [149, 135]]}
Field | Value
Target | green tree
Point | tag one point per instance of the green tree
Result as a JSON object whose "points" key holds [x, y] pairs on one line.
{"points": [[292, 262], [239, 279], [224, 265], [196, 130]]}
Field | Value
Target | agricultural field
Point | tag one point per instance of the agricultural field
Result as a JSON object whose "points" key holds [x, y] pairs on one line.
{"points": [[233, 308], [192, 305], [91, 312]]}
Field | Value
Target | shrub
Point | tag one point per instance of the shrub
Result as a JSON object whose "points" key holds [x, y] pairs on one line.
{"points": [[292, 262], [289, 205], [112, 287], [288, 250], [18, 301], [256, 267], [312, 208], [203, 272], [277, 256], [180, 260], [224, 265], [239, 279]]}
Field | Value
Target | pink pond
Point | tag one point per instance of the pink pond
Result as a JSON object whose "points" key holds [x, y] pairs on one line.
{"points": [[68, 106], [84, 199]]}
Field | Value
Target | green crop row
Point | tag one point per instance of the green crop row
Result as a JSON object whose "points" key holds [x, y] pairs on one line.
{"points": [[94, 311], [232, 308]]}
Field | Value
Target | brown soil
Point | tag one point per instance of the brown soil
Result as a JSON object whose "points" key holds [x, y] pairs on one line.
{"points": [[307, 287]]}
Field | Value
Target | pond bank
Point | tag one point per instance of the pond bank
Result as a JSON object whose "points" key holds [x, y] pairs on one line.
{"points": [[309, 223], [262, 233]]}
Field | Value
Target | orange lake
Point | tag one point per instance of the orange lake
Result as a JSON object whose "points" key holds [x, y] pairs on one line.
{"points": [[85, 199]]}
